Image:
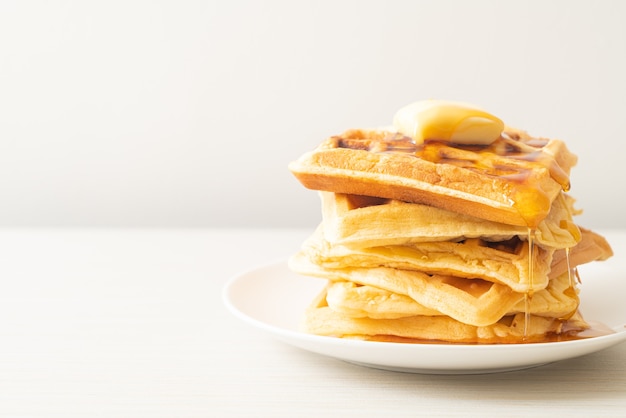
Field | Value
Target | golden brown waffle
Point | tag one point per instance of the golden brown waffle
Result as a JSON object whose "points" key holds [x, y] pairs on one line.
{"points": [[470, 301], [363, 221], [322, 320], [512, 181], [504, 262], [558, 300]]}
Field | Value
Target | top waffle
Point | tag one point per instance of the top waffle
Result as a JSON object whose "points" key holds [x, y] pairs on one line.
{"points": [[513, 180]]}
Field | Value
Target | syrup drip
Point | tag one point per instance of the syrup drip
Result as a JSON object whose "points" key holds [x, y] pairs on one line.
{"points": [[569, 269], [531, 278]]}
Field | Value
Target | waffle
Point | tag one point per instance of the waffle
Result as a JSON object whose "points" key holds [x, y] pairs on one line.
{"points": [[512, 181], [558, 300], [363, 221], [471, 301], [322, 320], [506, 262]]}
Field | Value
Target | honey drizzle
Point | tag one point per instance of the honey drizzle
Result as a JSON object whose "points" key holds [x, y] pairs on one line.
{"points": [[569, 268], [531, 279]]}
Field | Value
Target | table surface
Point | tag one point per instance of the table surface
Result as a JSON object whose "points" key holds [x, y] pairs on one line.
{"points": [[130, 323]]}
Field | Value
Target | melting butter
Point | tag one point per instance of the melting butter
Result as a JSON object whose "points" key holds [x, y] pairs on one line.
{"points": [[447, 121]]}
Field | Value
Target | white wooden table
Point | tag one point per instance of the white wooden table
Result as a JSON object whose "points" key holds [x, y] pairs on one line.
{"points": [[130, 323]]}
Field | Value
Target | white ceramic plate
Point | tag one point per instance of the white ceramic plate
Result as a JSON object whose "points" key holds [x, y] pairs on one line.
{"points": [[273, 298]]}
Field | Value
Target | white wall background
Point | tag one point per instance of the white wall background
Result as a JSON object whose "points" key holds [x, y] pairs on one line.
{"points": [[186, 113]]}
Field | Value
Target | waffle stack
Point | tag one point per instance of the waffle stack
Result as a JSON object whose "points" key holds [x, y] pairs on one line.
{"points": [[424, 239]]}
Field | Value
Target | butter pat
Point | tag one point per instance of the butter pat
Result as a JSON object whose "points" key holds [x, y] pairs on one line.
{"points": [[442, 120]]}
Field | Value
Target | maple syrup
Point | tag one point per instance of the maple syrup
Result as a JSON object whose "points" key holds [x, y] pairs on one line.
{"points": [[531, 279]]}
